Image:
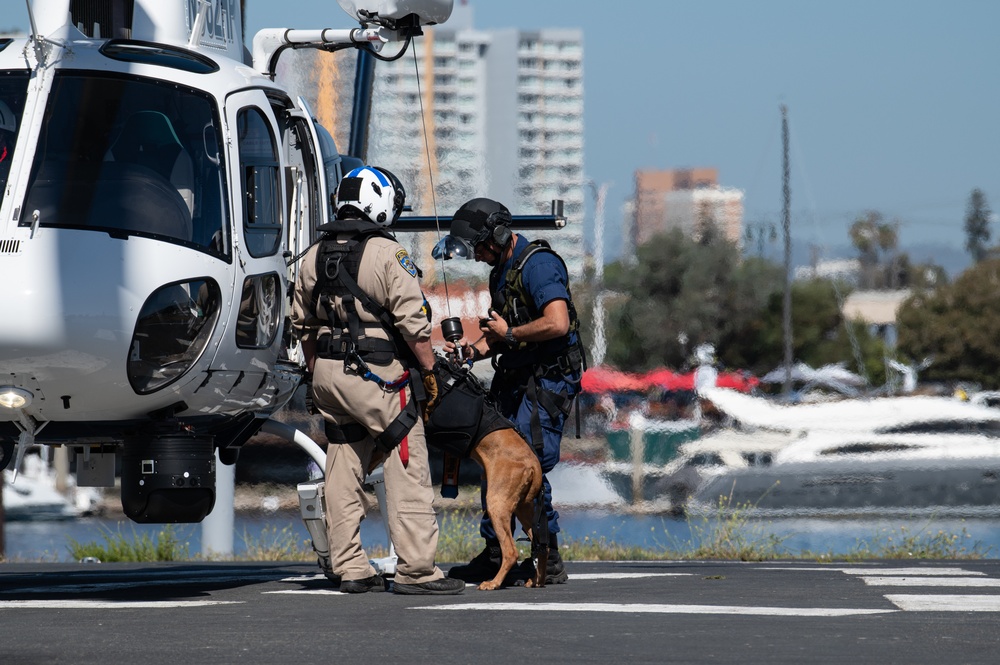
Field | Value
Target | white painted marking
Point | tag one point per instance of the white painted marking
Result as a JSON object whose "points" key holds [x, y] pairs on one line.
{"points": [[304, 578], [933, 572], [945, 603], [634, 608], [109, 604], [624, 576], [310, 592], [899, 580]]}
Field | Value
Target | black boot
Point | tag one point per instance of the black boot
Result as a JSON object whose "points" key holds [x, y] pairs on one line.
{"points": [[555, 571], [484, 566]]}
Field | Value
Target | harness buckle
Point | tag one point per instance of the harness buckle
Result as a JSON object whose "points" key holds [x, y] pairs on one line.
{"points": [[355, 363]]}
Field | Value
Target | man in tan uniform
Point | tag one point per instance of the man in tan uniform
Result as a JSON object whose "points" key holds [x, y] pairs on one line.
{"points": [[364, 325]]}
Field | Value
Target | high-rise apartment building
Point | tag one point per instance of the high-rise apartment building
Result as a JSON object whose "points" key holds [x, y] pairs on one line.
{"points": [[503, 113]]}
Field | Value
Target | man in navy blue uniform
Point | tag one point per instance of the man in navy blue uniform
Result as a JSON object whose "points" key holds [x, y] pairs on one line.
{"points": [[532, 334]]}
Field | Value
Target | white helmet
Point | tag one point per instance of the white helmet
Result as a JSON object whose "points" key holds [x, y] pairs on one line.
{"points": [[7, 120], [368, 193]]}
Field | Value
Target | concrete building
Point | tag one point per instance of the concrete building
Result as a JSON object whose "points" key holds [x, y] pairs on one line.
{"points": [[687, 199], [694, 210], [878, 309]]}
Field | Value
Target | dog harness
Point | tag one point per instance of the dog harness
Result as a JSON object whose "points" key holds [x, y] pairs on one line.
{"points": [[464, 414]]}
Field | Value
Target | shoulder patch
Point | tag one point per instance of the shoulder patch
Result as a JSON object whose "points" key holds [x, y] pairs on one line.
{"points": [[407, 263]]}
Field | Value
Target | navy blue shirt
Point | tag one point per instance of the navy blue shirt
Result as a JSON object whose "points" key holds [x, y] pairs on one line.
{"points": [[544, 278]]}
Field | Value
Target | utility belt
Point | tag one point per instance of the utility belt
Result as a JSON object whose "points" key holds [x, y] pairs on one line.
{"points": [[568, 366], [373, 350]]}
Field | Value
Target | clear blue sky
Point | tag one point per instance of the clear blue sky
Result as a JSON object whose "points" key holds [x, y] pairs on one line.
{"points": [[893, 104]]}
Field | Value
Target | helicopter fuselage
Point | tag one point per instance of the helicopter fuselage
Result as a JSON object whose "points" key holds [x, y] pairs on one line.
{"points": [[150, 198]]}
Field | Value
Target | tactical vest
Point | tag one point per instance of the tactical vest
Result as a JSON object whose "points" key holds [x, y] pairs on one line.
{"points": [[337, 267], [516, 306]]}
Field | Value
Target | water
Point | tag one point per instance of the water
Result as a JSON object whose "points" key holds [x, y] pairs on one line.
{"points": [[48, 541]]}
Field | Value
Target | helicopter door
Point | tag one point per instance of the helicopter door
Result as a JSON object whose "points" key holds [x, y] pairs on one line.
{"points": [[261, 218], [324, 145], [305, 180]]}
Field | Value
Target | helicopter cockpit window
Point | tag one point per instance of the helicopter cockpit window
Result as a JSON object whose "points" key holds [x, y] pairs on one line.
{"points": [[130, 156], [13, 90], [261, 182]]}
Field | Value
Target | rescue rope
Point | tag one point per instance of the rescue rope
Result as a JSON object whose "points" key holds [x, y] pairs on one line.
{"points": [[430, 177]]}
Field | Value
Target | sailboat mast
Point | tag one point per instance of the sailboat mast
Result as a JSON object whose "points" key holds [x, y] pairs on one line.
{"points": [[786, 310]]}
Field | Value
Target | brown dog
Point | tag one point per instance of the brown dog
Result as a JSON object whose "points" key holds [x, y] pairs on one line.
{"points": [[465, 422], [513, 482]]}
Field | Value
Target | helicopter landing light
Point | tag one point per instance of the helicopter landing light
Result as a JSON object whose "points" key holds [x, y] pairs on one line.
{"points": [[14, 398]]}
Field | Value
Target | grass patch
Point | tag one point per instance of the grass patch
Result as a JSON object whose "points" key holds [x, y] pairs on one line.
{"points": [[274, 544], [924, 543], [119, 547]]}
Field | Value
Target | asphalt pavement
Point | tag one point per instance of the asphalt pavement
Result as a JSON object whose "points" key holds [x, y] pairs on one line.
{"points": [[621, 612]]}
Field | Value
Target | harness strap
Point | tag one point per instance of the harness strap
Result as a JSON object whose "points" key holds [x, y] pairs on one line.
{"points": [[396, 432], [347, 433], [394, 435], [554, 403], [540, 529], [376, 310]]}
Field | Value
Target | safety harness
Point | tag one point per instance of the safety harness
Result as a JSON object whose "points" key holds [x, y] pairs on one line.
{"points": [[517, 307], [337, 267]]}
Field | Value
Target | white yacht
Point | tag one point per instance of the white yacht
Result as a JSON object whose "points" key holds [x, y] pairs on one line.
{"points": [[890, 455]]}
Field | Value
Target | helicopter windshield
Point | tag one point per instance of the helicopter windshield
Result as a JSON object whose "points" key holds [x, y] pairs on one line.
{"points": [[131, 156], [13, 90]]}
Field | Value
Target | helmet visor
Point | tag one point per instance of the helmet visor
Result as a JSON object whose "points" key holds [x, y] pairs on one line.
{"points": [[453, 247]]}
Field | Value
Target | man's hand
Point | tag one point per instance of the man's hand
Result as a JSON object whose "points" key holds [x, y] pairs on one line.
{"points": [[431, 389]]}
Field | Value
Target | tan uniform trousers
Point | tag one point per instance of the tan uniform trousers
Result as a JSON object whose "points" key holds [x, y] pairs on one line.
{"points": [[345, 399]]}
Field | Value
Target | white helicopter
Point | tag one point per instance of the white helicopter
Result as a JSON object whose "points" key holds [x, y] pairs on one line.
{"points": [[157, 182]]}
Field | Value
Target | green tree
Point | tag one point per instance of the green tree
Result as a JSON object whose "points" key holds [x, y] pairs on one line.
{"points": [[959, 325], [820, 334], [876, 241], [682, 293], [977, 225]]}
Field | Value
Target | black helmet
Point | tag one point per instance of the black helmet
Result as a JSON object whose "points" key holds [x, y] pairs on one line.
{"points": [[476, 222]]}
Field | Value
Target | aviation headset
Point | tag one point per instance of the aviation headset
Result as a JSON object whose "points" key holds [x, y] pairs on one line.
{"points": [[496, 228]]}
